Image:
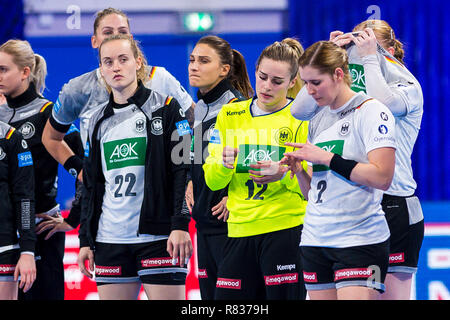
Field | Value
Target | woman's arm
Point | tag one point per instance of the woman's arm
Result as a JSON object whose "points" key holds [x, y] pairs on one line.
{"points": [[377, 173]]}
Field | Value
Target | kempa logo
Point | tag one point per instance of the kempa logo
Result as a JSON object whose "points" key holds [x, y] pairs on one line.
{"points": [[235, 113], [125, 152]]}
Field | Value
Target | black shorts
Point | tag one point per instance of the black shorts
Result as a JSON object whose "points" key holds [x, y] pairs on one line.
{"points": [[8, 262], [209, 256], [405, 219], [265, 266], [335, 268], [149, 263]]}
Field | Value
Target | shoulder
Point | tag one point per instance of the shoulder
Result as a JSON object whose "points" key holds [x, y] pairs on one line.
{"points": [[5, 129], [82, 85], [234, 107]]}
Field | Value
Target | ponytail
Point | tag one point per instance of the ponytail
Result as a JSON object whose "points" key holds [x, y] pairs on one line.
{"points": [[39, 73], [23, 56], [399, 52], [237, 75]]}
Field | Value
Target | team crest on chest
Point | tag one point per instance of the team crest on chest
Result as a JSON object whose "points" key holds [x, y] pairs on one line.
{"points": [[140, 125], [156, 126], [27, 130], [283, 135], [345, 128]]}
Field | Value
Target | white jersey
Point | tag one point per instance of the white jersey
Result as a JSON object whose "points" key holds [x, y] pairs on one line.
{"points": [[341, 213], [123, 147], [83, 95], [386, 79]]}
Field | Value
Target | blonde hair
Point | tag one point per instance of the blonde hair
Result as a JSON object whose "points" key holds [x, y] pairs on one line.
{"points": [[326, 57], [385, 34], [142, 73], [288, 50], [23, 56], [106, 12]]}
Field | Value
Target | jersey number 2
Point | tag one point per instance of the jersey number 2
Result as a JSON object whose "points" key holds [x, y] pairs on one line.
{"points": [[321, 186]]}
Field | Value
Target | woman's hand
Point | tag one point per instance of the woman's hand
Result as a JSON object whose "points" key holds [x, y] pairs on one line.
{"points": [[179, 245], [53, 223], [220, 210], [229, 154], [269, 171], [310, 153], [86, 254], [366, 43], [189, 196], [26, 268]]}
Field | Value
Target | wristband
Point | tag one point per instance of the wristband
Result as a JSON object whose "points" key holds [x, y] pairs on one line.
{"points": [[74, 165], [342, 166]]}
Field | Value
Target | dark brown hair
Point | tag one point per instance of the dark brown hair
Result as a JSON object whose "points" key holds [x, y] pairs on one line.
{"points": [[237, 75]]}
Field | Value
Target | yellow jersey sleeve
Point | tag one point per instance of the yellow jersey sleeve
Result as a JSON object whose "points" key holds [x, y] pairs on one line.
{"points": [[217, 176]]}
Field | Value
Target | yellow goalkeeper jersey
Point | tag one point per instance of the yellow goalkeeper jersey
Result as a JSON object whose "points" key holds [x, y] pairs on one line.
{"points": [[255, 208]]}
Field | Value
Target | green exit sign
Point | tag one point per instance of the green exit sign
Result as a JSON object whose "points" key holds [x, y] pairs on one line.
{"points": [[198, 21]]}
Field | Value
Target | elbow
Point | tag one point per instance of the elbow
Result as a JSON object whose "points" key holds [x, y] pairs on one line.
{"points": [[385, 184]]}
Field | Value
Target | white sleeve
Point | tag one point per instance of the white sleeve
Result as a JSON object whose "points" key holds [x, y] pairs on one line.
{"points": [[376, 126], [390, 95], [164, 82], [304, 106]]}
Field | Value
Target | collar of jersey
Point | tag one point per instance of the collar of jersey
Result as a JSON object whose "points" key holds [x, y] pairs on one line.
{"points": [[139, 98], [23, 99], [216, 92], [267, 114]]}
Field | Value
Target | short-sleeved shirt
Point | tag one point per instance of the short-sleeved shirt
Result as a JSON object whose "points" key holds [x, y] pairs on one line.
{"points": [[341, 213]]}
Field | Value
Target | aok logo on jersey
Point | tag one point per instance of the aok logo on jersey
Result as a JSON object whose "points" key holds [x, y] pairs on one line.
{"points": [[358, 78], [334, 146], [125, 152], [251, 154]]}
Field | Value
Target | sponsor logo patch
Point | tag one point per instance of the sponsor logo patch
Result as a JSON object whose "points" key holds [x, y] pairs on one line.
{"points": [[397, 257], [310, 276], [25, 159], [7, 268], [157, 262], [202, 274], [108, 271], [228, 283], [278, 279], [352, 273], [125, 152]]}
